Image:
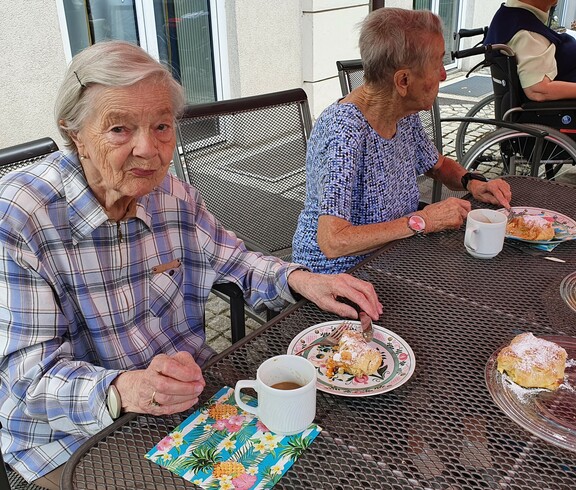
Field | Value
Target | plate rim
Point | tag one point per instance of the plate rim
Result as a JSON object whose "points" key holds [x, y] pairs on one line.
{"points": [[565, 280], [386, 388], [515, 412], [571, 223]]}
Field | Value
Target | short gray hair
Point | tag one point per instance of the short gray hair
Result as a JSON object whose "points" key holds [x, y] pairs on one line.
{"points": [[393, 38], [107, 64]]}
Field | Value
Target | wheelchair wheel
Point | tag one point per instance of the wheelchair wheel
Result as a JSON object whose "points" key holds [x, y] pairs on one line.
{"points": [[508, 152], [469, 132]]}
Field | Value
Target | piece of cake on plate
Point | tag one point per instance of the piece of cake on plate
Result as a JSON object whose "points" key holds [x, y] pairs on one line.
{"points": [[533, 362], [354, 356], [530, 227]]}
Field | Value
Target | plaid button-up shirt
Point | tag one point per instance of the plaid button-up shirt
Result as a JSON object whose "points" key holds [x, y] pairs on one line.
{"points": [[83, 298]]}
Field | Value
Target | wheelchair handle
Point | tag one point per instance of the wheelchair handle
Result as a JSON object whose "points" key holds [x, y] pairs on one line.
{"points": [[465, 53], [471, 32], [484, 49]]}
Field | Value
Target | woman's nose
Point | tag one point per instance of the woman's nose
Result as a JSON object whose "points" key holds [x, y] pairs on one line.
{"points": [[146, 145], [442, 74]]}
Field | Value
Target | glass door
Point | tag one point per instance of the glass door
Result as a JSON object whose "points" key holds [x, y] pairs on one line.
{"points": [[448, 11], [181, 33]]}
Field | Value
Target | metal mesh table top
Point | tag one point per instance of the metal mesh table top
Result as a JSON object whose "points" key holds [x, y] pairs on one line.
{"points": [[439, 430]]}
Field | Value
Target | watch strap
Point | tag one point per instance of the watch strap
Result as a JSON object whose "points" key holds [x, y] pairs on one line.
{"points": [[468, 176]]}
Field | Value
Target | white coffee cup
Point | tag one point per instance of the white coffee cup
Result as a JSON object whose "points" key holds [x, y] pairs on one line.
{"points": [[286, 388], [485, 232]]}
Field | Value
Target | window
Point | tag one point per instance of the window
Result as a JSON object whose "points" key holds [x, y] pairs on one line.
{"points": [[448, 11], [181, 33]]}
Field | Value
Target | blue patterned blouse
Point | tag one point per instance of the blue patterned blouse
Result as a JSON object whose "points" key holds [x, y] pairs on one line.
{"points": [[355, 174]]}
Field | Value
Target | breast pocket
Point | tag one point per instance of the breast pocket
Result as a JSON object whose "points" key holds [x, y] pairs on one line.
{"points": [[166, 288]]}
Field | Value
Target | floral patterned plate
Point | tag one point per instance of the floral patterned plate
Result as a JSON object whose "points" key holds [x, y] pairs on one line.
{"points": [[397, 366], [564, 227]]}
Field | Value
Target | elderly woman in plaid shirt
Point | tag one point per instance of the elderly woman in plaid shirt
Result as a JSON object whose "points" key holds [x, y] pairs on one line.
{"points": [[106, 263]]}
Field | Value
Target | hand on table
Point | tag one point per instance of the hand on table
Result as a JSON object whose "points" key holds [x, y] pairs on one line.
{"points": [[495, 192], [173, 382], [445, 215], [323, 289]]}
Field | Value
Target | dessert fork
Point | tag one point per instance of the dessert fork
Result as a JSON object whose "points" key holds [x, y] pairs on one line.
{"points": [[330, 340]]}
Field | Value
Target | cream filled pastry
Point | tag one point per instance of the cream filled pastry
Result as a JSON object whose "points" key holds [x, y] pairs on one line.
{"points": [[533, 362], [354, 356], [530, 227]]}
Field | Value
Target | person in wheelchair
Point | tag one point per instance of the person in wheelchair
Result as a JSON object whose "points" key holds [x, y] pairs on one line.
{"points": [[367, 149], [546, 60]]}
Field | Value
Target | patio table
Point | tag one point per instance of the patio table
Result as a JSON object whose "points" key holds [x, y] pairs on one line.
{"points": [[439, 430]]}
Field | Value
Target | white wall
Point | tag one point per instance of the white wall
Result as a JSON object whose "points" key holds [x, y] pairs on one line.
{"points": [[264, 46], [474, 15], [329, 33], [33, 64]]}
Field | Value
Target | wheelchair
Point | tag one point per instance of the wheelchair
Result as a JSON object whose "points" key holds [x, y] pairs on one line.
{"points": [[513, 151]]}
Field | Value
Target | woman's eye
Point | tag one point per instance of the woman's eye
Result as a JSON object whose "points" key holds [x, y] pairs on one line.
{"points": [[117, 129], [163, 127]]}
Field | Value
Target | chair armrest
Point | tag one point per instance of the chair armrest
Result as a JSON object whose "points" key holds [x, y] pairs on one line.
{"points": [[536, 132], [237, 310]]}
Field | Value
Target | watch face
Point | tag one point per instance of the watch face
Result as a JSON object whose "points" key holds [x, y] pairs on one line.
{"points": [[416, 223]]}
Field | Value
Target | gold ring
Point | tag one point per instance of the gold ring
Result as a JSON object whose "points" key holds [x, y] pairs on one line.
{"points": [[153, 402]]}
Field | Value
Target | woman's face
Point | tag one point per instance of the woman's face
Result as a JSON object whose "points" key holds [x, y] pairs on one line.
{"points": [[427, 82], [127, 143]]}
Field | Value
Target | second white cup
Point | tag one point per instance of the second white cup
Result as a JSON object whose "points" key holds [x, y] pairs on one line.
{"points": [[286, 388], [485, 232]]}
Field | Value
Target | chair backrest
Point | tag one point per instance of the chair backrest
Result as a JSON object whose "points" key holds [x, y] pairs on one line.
{"points": [[351, 75], [247, 158], [25, 153]]}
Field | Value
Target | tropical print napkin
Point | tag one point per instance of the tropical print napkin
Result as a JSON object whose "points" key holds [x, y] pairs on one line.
{"points": [[222, 447]]}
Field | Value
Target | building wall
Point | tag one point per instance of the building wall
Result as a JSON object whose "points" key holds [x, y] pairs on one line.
{"points": [[271, 45], [329, 33], [264, 46], [32, 59]]}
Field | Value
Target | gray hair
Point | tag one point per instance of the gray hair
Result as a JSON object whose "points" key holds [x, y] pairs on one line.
{"points": [[107, 64], [393, 38]]}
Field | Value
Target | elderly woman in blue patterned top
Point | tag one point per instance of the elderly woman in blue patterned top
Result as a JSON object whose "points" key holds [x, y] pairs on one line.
{"points": [[106, 262], [367, 149]]}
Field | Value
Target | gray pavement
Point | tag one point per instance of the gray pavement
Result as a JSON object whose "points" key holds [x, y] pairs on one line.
{"points": [[217, 310]]}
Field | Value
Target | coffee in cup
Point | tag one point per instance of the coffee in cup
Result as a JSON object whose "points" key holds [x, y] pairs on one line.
{"points": [[286, 393]]}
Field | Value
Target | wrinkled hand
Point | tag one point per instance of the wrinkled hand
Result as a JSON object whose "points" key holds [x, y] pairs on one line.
{"points": [[175, 381], [323, 289], [445, 215], [495, 192]]}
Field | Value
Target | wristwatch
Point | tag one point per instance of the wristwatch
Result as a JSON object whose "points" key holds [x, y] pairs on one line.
{"points": [[416, 223], [468, 176], [113, 402]]}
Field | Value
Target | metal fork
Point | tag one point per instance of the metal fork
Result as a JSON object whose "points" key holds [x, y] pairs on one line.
{"points": [[332, 339]]}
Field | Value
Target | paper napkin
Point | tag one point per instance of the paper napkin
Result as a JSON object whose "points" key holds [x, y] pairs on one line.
{"points": [[222, 447]]}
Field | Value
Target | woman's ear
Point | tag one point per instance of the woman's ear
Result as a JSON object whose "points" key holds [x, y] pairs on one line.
{"points": [[73, 136], [402, 81]]}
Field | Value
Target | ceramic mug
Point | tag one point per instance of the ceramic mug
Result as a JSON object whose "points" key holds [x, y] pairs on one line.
{"points": [[286, 392], [485, 232]]}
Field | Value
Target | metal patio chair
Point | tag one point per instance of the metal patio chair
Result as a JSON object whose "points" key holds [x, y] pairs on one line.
{"points": [[247, 157], [17, 156]]}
